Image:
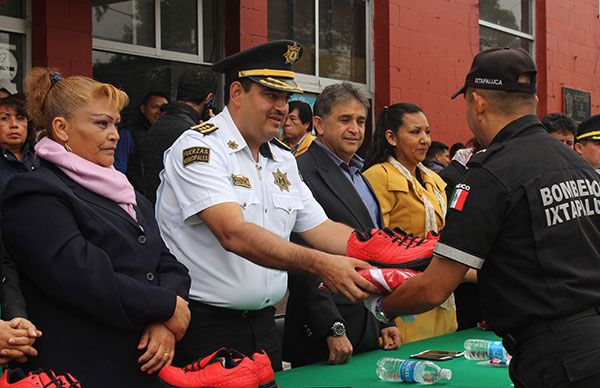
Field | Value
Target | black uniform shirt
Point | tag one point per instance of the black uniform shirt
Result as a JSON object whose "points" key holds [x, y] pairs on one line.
{"points": [[527, 216]]}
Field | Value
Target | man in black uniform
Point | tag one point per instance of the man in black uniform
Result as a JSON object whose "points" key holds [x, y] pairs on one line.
{"points": [[527, 217]]}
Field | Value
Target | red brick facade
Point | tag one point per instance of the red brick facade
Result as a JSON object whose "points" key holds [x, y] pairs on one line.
{"points": [[61, 35]]}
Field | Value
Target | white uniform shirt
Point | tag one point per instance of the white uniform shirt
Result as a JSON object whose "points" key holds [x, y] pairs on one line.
{"points": [[205, 170]]}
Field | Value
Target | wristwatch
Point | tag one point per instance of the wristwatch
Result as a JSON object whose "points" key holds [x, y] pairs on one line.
{"points": [[338, 329]]}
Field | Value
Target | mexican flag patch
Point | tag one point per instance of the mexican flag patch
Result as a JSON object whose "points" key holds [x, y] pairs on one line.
{"points": [[459, 197]]}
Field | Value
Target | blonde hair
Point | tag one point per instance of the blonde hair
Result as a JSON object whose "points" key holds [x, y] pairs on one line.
{"points": [[48, 99]]}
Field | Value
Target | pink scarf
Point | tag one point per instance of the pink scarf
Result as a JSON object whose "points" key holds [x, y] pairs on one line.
{"points": [[105, 181]]}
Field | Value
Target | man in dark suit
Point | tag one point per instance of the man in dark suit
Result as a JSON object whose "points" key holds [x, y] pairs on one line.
{"points": [[320, 325]]}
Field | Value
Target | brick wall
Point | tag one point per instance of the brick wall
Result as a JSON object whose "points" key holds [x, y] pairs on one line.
{"points": [[62, 35], [568, 48], [431, 44]]}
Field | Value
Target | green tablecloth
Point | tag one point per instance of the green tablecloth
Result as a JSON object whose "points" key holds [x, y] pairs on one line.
{"points": [[360, 371]]}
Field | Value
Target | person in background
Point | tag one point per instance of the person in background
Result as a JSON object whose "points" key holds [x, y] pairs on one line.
{"points": [[297, 127], [195, 92], [455, 147], [127, 160], [561, 127], [16, 141], [411, 196], [438, 156], [98, 278], [321, 325], [587, 142]]}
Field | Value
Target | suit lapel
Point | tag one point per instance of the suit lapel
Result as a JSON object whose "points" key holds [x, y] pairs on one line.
{"points": [[98, 200], [339, 185]]}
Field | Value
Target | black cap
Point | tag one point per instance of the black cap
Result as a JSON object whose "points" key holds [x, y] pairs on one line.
{"points": [[589, 129], [268, 64], [499, 69]]}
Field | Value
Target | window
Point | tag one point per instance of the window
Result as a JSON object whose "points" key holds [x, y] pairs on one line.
{"points": [[14, 41], [180, 30], [334, 36], [144, 45], [506, 23]]}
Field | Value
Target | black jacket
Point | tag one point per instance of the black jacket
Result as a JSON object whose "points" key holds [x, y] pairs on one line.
{"points": [[310, 312], [92, 277], [13, 303], [178, 118], [138, 128]]}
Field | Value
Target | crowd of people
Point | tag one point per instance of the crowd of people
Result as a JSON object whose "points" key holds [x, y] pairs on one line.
{"points": [[151, 244]]}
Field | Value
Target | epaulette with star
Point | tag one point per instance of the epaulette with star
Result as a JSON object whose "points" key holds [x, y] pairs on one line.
{"points": [[280, 144], [205, 128]]}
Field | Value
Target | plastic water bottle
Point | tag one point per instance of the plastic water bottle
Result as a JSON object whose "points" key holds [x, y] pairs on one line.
{"points": [[476, 349], [424, 372]]}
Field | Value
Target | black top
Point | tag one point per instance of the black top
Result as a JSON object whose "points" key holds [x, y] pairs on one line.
{"points": [[11, 166], [527, 215], [92, 277], [138, 128], [178, 118]]}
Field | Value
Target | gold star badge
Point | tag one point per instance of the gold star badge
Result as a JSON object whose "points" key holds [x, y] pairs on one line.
{"points": [[281, 180], [292, 54], [232, 144]]}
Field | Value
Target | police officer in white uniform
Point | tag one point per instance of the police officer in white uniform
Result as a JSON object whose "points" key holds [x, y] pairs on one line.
{"points": [[526, 216], [230, 196]]}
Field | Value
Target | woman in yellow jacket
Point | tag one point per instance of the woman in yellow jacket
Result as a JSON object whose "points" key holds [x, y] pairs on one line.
{"points": [[411, 196]]}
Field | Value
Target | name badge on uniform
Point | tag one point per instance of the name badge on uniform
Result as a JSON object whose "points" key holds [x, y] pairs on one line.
{"points": [[241, 181], [196, 154]]}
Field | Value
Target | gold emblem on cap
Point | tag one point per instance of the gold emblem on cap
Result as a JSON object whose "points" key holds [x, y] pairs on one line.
{"points": [[292, 54], [281, 180], [232, 144]]}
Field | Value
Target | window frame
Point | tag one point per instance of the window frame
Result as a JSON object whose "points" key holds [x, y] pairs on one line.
{"points": [[529, 37], [315, 83], [157, 52], [22, 27]]}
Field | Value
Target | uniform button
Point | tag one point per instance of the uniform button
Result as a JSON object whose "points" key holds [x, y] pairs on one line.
{"points": [[245, 314], [265, 210], [245, 204], [289, 209], [268, 300], [149, 276], [142, 239]]}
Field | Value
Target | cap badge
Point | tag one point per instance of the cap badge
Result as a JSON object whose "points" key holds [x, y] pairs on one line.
{"points": [[292, 54], [281, 180], [232, 144]]}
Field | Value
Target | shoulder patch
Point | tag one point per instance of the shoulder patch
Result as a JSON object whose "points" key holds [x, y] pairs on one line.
{"points": [[195, 154], [205, 128], [280, 144]]}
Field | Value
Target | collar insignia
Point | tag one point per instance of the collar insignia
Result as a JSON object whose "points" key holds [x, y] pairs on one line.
{"points": [[232, 144], [292, 54], [281, 180]]}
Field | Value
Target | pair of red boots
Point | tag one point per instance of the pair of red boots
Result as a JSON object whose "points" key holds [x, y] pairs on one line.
{"points": [[387, 248], [15, 378], [225, 368]]}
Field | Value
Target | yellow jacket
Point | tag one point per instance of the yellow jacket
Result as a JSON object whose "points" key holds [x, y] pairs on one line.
{"points": [[402, 206], [401, 200], [303, 146]]}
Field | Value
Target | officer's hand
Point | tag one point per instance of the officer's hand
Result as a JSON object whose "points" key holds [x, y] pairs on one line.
{"points": [[390, 338], [340, 349], [180, 320], [339, 275], [25, 324]]}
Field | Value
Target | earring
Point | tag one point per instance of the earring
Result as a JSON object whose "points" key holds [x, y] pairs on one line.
{"points": [[68, 148]]}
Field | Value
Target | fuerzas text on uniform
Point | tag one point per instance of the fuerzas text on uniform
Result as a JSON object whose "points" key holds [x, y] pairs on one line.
{"points": [[571, 199]]}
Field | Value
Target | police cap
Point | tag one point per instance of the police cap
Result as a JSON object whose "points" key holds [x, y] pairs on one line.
{"points": [[500, 69], [269, 64], [589, 129]]}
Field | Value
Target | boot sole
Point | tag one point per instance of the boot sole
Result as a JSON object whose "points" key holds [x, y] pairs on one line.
{"points": [[270, 384], [417, 265], [165, 384]]}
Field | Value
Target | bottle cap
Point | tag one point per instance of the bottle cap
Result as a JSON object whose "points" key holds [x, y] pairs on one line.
{"points": [[446, 374]]}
